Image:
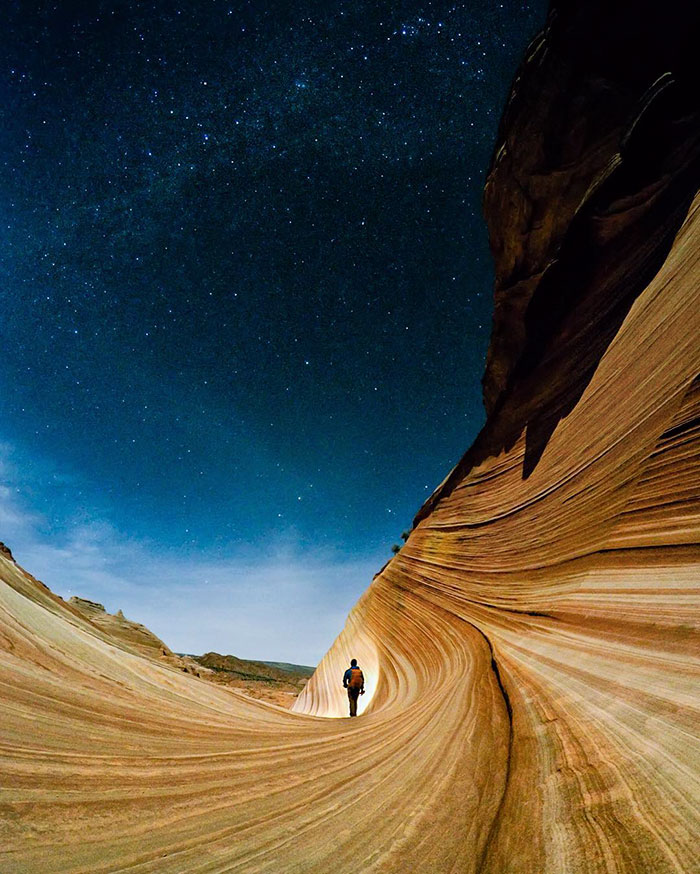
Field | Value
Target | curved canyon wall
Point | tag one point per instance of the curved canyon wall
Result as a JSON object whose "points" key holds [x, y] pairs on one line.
{"points": [[532, 651], [566, 540]]}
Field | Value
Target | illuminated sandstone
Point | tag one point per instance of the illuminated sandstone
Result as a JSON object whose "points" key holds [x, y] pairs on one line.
{"points": [[532, 652]]}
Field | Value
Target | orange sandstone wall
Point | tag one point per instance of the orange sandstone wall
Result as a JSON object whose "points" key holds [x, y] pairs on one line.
{"points": [[567, 537], [582, 580]]}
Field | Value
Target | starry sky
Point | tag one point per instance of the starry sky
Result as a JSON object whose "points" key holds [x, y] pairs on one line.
{"points": [[246, 295]]}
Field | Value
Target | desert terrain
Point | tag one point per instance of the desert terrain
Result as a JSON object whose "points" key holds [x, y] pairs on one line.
{"points": [[531, 653]]}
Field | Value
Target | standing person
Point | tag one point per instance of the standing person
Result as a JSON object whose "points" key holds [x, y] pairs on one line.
{"points": [[354, 682]]}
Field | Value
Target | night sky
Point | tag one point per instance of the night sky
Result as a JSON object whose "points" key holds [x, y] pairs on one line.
{"points": [[246, 297]]}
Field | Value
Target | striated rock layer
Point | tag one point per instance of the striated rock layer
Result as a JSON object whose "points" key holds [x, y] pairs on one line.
{"points": [[566, 540], [532, 652]]}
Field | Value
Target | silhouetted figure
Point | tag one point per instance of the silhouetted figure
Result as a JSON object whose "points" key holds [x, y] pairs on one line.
{"points": [[354, 682]]}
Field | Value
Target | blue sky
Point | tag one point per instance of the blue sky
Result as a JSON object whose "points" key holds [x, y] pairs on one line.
{"points": [[282, 603], [246, 292]]}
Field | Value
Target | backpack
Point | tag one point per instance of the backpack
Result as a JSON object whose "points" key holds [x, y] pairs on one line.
{"points": [[356, 680]]}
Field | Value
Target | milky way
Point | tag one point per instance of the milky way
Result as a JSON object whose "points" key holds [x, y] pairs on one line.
{"points": [[246, 281]]}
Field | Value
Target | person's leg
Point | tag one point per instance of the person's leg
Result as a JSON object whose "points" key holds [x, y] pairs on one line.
{"points": [[352, 695]]}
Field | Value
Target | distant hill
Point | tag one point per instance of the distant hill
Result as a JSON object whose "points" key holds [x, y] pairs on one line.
{"points": [[265, 680], [306, 670], [287, 667]]}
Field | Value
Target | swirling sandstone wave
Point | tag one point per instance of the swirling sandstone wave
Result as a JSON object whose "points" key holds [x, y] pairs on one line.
{"points": [[532, 652]]}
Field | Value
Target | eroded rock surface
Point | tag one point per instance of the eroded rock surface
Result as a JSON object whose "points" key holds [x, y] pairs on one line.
{"points": [[532, 652], [117, 625]]}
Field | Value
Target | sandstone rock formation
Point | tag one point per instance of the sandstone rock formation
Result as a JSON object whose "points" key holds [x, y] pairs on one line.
{"points": [[558, 564], [117, 625], [532, 651]]}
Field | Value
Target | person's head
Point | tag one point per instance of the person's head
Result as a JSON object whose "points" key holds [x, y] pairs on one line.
{"points": [[353, 663]]}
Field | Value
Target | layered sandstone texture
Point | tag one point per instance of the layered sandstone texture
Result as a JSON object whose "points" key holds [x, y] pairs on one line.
{"points": [[135, 635], [531, 654]]}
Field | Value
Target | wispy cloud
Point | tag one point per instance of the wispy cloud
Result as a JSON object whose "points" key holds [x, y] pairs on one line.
{"points": [[283, 604]]}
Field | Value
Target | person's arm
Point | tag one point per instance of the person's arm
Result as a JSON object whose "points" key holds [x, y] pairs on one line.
{"points": [[362, 687], [345, 679]]}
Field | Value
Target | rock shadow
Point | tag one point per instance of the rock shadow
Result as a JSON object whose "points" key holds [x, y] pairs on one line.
{"points": [[615, 246]]}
